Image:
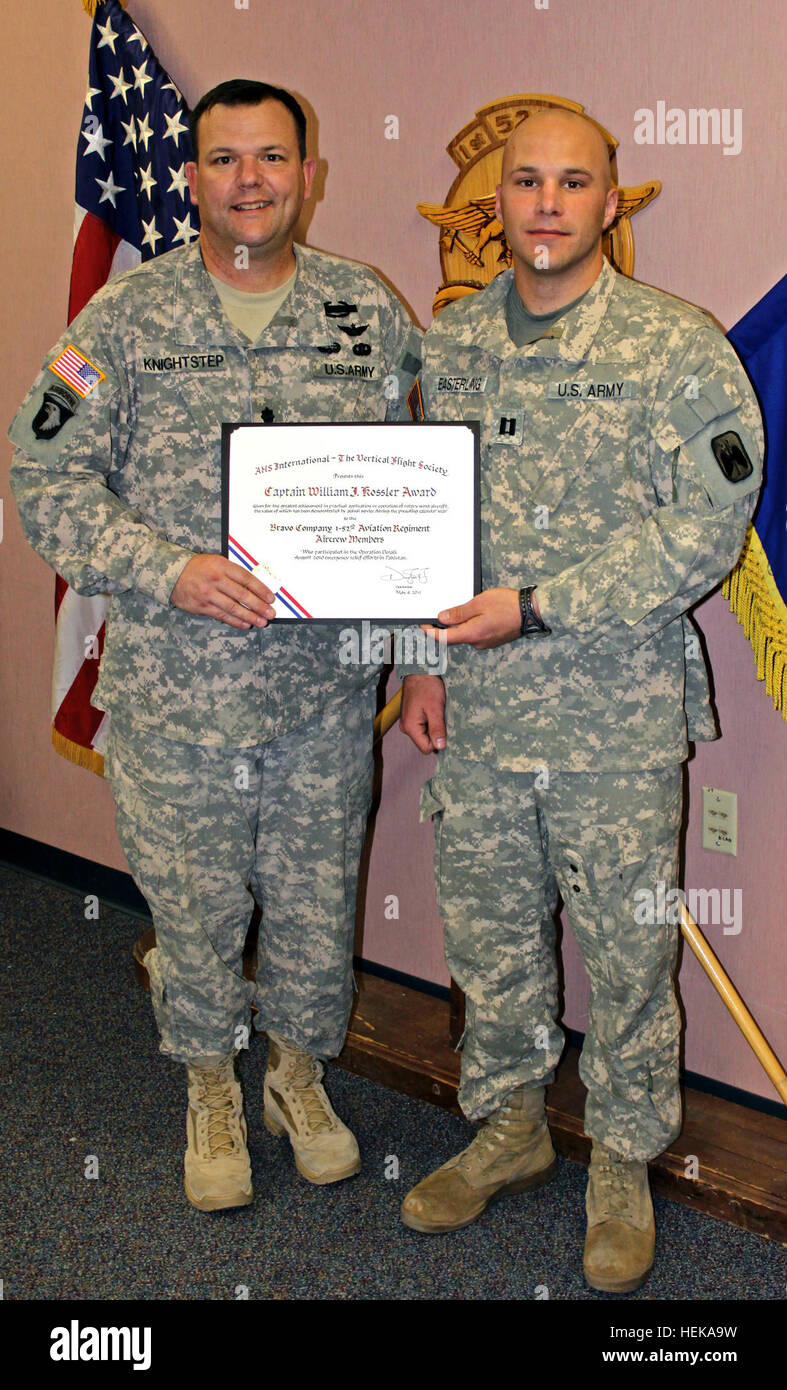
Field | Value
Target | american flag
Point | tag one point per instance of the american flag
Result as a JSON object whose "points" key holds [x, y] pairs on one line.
{"points": [[76, 370], [132, 203]]}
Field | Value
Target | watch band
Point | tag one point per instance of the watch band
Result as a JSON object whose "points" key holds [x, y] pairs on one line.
{"points": [[532, 626]]}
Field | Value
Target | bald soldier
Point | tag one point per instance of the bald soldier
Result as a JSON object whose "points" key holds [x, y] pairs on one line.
{"points": [[620, 462]]}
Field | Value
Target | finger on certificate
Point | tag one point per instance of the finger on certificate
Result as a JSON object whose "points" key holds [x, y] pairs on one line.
{"points": [[250, 603], [254, 584]]}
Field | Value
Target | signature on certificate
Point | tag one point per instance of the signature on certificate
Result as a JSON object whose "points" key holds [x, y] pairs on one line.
{"points": [[411, 576]]}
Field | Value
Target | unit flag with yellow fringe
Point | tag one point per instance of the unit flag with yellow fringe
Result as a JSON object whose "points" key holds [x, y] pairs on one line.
{"points": [[757, 587]]}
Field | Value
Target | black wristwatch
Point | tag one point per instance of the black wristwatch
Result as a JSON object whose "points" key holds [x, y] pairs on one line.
{"points": [[532, 626]]}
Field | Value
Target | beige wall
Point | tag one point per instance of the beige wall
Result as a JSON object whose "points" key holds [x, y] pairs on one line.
{"points": [[710, 236]]}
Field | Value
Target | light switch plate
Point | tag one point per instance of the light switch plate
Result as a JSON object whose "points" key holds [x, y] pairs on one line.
{"points": [[719, 820]]}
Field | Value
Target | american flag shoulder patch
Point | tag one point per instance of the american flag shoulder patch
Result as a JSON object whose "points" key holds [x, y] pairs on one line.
{"points": [[81, 374]]}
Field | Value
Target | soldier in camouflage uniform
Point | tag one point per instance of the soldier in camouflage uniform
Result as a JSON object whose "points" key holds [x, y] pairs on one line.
{"points": [[620, 461], [240, 751]]}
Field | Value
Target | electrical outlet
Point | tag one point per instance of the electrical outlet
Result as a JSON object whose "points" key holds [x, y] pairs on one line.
{"points": [[719, 820]]}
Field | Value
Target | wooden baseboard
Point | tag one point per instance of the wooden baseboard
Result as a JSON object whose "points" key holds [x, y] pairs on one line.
{"points": [[400, 1037]]}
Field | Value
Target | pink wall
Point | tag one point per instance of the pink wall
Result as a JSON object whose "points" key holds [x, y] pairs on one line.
{"points": [[709, 237]]}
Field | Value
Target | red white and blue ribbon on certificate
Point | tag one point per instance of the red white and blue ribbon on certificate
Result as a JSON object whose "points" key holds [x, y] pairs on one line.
{"points": [[239, 553]]}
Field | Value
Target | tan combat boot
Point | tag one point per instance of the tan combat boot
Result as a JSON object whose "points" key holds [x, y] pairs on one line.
{"points": [[218, 1170], [621, 1234], [512, 1153], [296, 1104]]}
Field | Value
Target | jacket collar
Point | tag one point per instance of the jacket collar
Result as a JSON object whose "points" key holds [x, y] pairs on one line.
{"points": [[484, 325], [200, 321]]}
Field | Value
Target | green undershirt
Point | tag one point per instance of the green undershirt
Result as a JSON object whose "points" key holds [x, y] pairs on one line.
{"points": [[524, 327]]}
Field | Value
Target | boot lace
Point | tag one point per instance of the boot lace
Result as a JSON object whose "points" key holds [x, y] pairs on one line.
{"points": [[220, 1127], [491, 1139], [614, 1188], [304, 1076]]}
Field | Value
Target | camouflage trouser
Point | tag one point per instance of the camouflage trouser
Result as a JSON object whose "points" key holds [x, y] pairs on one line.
{"points": [[201, 827], [504, 846]]}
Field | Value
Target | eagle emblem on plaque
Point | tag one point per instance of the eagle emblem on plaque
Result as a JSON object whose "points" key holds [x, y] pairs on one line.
{"points": [[473, 247]]}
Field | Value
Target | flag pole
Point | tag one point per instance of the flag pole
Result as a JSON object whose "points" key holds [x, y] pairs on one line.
{"points": [[388, 716], [723, 984], [709, 962]]}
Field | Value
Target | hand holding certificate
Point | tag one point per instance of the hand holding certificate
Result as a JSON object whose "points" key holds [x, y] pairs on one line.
{"points": [[345, 522]]}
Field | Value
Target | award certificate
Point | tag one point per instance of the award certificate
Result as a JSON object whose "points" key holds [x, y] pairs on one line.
{"points": [[352, 521]]}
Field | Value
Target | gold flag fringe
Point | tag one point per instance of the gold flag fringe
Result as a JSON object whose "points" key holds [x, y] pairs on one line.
{"points": [[83, 757], [90, 6], [762, 613]]}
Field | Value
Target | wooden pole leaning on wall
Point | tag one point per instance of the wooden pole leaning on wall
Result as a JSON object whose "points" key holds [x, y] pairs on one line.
{"points": [[723, 984], [388, 716], [709, 962]]}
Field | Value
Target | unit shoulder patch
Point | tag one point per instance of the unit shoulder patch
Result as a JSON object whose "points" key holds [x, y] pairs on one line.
{"points": [[58, 405], [731, 456]]}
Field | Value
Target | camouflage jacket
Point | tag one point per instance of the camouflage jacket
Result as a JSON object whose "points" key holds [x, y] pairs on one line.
{"points": [[118, 486], [620, 462]]}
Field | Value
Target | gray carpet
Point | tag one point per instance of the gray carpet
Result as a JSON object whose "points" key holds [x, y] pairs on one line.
{"points": [[82, 1076]]}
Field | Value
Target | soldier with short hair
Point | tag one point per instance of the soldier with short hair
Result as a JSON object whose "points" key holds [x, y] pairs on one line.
{"points": [[240, 749], [620, 462]]}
